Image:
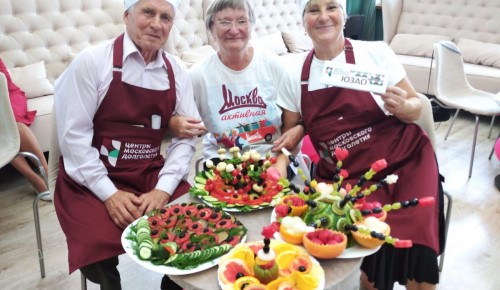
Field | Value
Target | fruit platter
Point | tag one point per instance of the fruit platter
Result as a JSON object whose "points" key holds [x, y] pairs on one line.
{"points": [[240, 183], [269, 264], [325, 214], [182, 238]]}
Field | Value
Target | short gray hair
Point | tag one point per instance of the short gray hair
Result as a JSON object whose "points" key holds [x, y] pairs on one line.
{"points": [[219, 5]]}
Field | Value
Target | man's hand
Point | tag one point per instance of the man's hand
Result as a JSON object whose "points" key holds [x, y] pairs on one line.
{"points": [[186, 127], [123, 208], [290, 139], [154, 199]]}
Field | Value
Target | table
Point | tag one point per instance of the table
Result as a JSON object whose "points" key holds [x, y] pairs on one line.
{"points": [[340, 274]]}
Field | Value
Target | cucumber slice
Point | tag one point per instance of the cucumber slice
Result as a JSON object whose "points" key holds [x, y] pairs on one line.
{"points": [[210, 174], [209, 198], [145, 253], [200, 179]]}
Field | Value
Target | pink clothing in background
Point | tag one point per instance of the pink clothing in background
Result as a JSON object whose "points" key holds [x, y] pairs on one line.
{"points": [[18, 100]]}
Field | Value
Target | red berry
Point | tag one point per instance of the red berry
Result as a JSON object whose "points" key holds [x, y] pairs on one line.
{"points": [[263, 175], [317, 241], [235, 172], [337, 238], [312, 235], [273, 160], [332, 242], [325, 235]]}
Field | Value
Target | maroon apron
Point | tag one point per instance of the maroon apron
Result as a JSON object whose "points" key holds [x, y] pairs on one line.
{"points": [[130, 150], [351, 119]]}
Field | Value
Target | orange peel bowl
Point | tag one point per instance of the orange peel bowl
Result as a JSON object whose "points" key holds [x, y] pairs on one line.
{"points": [[368, 241], [298, 210], [324, 251], [383, 217], [288, 237]]}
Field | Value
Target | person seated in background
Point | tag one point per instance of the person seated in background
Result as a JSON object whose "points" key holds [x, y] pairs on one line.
{"points": [[235, 88], [112, 107], [329, 113], [29, 143]]}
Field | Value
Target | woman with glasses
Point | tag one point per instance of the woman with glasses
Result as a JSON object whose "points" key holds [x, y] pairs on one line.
{"points": [[371, 126], [235, 88]]}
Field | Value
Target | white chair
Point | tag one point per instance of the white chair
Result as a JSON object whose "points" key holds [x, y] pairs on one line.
{"points": [[10, 140], [426, 122], [55, 153], [453, 91]]}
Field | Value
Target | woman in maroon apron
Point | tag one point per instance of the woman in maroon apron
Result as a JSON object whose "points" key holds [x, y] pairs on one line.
{"points": [[351, 119]]}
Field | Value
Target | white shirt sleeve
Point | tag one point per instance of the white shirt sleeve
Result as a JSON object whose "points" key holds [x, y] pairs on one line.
{"points": [[180, 151], [78, 93]]}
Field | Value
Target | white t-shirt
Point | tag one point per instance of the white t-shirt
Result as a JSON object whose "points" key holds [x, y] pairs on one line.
{"points": [[238, 106], [366, 53]]}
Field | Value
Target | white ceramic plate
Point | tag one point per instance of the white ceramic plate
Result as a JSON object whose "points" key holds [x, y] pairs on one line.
{"points": [[356, 251], [230, 209], [127, 246], [321, 282]]}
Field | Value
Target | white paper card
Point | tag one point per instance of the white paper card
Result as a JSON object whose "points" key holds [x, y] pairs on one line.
{"points": [[155, 122], [351, 76]]}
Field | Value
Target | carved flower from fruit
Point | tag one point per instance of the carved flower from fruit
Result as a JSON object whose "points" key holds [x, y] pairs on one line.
{"points": [[293, 228], [325, 243], [366, 227]]}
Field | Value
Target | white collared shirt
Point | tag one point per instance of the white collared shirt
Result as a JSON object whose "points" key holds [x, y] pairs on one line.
{"points": [[79, 91]]}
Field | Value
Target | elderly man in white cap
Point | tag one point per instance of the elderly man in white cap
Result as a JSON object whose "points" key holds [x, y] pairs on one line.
{"points": [[112, 106]]}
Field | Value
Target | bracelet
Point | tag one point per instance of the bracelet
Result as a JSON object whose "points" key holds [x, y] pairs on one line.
{"points": [[301, 123]]}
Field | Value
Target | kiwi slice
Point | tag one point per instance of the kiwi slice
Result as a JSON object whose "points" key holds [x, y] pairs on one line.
{"points": [[324, 220], [355, 215], [341, 223], [320, 206], [337, 209]]}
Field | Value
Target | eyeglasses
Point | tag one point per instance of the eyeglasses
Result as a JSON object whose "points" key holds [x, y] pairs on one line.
{"points": [[240, 23]]}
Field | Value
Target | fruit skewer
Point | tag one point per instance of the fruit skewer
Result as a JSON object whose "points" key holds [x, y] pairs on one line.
{"points": [[397, 243]]}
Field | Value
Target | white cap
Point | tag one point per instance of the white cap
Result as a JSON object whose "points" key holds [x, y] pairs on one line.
{"points": [[128, 3], [303, 4]]}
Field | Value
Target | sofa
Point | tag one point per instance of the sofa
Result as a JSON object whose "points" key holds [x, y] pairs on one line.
{"points": [[40, 38], [411, 27]]}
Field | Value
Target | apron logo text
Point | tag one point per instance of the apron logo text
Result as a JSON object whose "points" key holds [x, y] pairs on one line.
{"points": [[134, 151], [346, 140]]}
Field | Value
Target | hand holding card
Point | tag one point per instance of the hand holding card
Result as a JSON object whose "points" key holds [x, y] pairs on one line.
{"points": [[351, 76]]}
